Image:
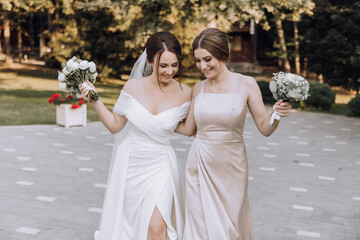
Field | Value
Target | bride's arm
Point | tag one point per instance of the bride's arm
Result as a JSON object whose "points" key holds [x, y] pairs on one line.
{"points": [[188, 126], [258, 111], [112, 121]]}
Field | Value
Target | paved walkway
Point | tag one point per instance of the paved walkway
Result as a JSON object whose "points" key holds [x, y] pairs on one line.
{"points": [[304, 180]]}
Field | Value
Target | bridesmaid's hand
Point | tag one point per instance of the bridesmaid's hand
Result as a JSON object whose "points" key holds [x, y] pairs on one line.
{"points": [[282, 108]]}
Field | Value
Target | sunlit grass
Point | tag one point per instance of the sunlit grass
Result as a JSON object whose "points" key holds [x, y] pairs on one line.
{"points": [[29, 106], [24, 94]]}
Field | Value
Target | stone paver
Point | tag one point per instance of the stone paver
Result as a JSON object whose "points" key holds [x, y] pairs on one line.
{"points": [[304, 180]]}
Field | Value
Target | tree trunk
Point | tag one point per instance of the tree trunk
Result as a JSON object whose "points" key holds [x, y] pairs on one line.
{"points": [[280, 63], [50, 26], [305, 73], [320, 78], [32, 31], [1, 49], [19, 43], [280, 33], [7, 44], [297, 54], [57, 16]]}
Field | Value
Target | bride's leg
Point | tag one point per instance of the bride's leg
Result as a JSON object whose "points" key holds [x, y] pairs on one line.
{"points": [[157, 226]]}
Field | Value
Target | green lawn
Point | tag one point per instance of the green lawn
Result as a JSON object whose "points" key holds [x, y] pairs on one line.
{"points": [[30, 106], [25, 90]]}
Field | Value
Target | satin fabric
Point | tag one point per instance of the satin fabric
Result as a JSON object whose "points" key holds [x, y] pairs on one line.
{"points": [[217, 205], [144, 173]]}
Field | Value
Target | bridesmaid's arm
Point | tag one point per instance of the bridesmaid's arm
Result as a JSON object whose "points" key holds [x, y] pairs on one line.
{"points": [[188, 126], [112, 121], [258, 111]]}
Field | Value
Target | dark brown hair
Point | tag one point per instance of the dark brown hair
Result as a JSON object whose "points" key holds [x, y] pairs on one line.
{"points": [[160, 42], [215, 42]]}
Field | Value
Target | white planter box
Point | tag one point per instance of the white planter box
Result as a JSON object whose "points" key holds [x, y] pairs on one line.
{"points": [[68, 117]]}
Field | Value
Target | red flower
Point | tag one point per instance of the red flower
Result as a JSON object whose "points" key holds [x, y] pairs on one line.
{"points": [[69, 96], [81, 98], [73, 106], [80, 102], [63, 100], [53, 97]]}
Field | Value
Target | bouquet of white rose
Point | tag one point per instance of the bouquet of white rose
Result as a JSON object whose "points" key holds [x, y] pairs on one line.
{"points": [[288, 87], [75, 72]]}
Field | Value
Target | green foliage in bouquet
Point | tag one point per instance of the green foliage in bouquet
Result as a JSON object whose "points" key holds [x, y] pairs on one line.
{"points": [[289, 87], [354, 106], [75, 72], [265, 92], [321, 96]]}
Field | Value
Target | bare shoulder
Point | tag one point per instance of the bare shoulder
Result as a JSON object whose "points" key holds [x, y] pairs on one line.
{"points": [[197, 88], [131, 85], [247, 82], [187, 92]]}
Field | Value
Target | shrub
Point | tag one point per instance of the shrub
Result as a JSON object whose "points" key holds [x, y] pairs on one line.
{"points": [[265, 92], [354, 106], [321, 96]]}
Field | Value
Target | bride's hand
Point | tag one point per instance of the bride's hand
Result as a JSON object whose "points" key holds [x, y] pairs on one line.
{"points": [[84, 88], [282, 108]]}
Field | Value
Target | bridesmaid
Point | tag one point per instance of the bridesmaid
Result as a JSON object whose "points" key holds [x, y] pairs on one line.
{"points": [[217, 205]]}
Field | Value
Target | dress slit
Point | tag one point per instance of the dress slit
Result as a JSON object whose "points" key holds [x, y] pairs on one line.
{"points": [[164, 204], [143, 163]]}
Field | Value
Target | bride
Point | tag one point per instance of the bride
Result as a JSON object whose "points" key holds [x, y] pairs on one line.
{"points": [[145, 193]]}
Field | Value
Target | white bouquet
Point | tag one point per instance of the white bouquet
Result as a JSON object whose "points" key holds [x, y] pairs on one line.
{"points": [[288, 87], [75, 72]]}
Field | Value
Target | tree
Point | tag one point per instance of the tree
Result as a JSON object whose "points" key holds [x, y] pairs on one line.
{"points": [[15, 13], [291, 10], [298, 9], [197, 15], [332, 42], [5, 9]]}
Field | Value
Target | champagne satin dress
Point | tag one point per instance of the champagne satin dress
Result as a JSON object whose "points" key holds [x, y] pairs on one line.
{"points": [[217, 205]]}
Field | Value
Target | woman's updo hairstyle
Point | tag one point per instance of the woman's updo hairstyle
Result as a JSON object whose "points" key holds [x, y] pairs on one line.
{"points": [[215, 42], [159, 42]]}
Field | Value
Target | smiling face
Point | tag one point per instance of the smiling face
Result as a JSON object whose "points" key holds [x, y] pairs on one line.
{"points": [[167, 67], [207, 63]]}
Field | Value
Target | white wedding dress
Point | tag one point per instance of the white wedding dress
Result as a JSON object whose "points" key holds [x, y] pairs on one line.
{"points": [[144, 174]]}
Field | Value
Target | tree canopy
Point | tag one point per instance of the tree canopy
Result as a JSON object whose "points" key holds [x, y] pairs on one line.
{"points": [[113, 33], [332, 42]]}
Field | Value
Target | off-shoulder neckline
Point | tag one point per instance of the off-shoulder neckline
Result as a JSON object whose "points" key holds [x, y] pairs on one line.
{"points": [[147, 110]]}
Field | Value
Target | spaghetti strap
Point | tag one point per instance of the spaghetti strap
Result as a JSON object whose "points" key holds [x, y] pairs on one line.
{"points": [[202, 87], [236, 88]]}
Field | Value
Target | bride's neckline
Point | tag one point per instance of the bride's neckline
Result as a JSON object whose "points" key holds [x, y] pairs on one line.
{"points": [[147, 110]]}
